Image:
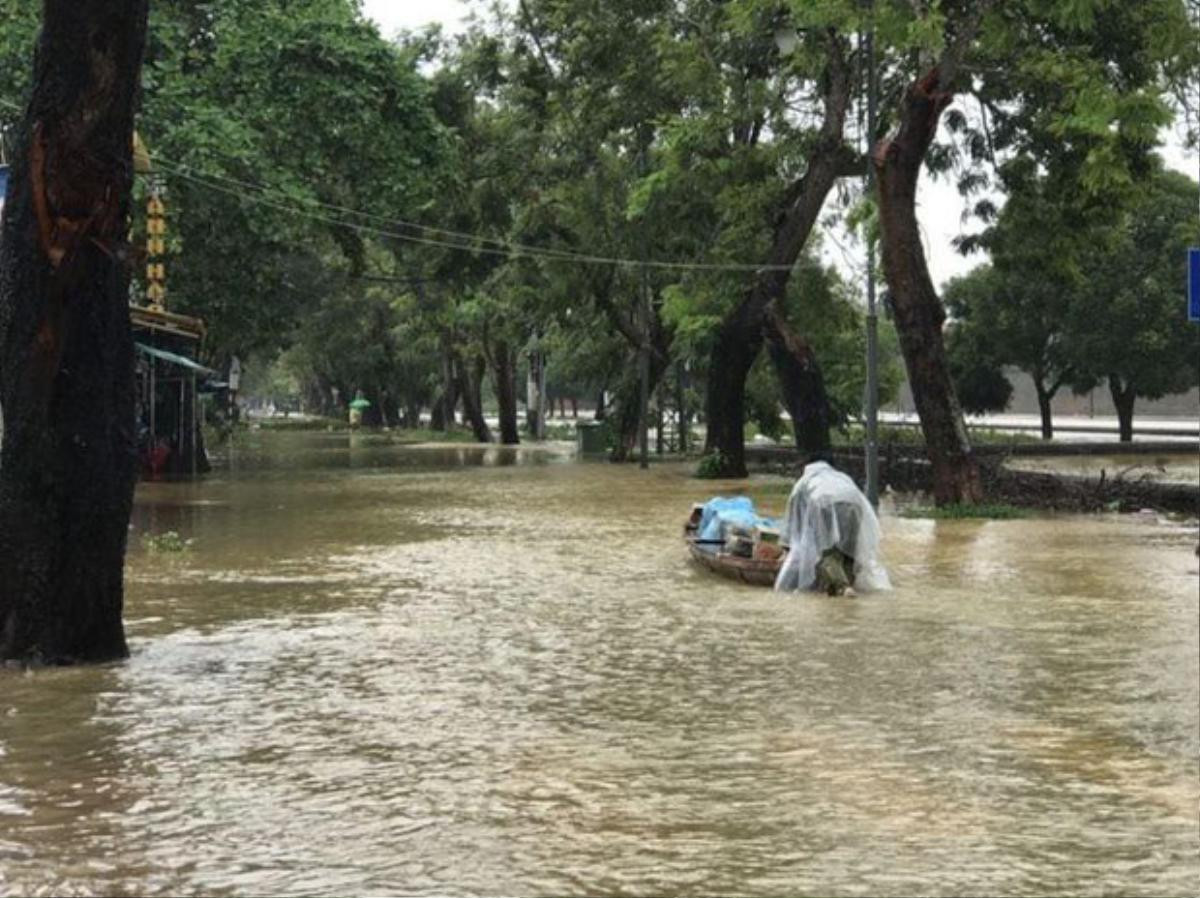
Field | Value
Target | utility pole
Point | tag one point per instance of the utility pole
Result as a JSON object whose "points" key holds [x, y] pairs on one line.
{"points": [[541, 394], [872, 428], [644, 365], [644, 351], [681, 402]]}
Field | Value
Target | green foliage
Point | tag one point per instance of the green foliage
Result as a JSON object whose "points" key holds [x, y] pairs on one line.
{"points": [[960, 512], [1078, 294], [979, 381], [640, 129], [827, 311], [986, 335], [1128, 324], [712, 466], [302, 98], [303, 425]]}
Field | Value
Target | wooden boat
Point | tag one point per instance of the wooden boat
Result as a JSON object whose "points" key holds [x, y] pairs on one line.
{"points": [[712, 555]]}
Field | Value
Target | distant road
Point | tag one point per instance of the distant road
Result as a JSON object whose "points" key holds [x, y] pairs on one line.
{"points": [[1077, 427]]}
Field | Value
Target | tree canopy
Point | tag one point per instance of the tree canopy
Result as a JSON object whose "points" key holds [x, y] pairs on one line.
{"points": [[587, 189]]}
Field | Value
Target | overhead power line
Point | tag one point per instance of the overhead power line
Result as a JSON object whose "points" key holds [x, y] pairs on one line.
{"points": [[455, 240], [368, 216], [427, 235]]}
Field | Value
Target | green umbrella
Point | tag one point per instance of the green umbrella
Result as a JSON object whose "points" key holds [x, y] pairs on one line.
{"points": [[360, 403]]}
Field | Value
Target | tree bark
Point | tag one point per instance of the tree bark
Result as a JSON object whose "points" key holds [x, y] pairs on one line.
{"points": [[469, 378], [801, 382], [628, 400], [372, 415], [412, 415], [918, 308], [1044, 396], [740, 337], [68, 465], [1123, 396], [441, 416], [504, 379]]}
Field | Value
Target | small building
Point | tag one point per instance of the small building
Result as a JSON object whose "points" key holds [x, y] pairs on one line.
{"points": [[169, 379], [169, 387]]}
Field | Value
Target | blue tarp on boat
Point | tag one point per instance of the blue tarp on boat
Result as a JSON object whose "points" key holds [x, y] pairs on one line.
{"points": [[724, 512]]}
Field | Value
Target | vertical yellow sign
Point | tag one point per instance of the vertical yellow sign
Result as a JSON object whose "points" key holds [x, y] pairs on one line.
{"points": [[156, 246]]}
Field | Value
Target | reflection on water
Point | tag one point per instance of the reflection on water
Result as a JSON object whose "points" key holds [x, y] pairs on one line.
{"points": [[389, 670]]}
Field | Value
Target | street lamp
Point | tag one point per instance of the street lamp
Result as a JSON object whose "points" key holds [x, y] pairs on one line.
{"points": [[787, 40]]}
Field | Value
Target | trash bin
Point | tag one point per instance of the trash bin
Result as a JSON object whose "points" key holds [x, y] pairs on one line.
{"points": [[591, 439]]}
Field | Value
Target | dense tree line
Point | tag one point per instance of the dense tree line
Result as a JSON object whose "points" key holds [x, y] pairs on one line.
{"points": [[1105, 307], [636, 192]]}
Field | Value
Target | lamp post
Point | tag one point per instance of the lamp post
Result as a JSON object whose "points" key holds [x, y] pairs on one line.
{"points": [[872, 428]]}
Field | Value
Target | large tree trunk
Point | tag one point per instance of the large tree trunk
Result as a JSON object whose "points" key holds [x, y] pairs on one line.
{"points": [[740, 337], [372, 415], [412, 414], [504, 379], [68, 464], [733, 355], [802, 384], [1044, 396], [442, 413], [469, 378], [1123, 397], [918, 309]]}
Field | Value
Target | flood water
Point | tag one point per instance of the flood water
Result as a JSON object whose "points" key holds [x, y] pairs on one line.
{"points": [[381, 670]]}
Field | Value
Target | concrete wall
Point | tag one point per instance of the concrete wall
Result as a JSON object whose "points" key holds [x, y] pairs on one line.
{"points": [[1098, 402]]}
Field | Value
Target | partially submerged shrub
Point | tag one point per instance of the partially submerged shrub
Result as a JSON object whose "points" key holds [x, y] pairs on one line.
{"points": [[712, 466], [166, 542], [994, 512]]}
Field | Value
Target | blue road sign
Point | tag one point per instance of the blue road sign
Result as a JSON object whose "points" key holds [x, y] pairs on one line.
{"points": [[1194, 284]]}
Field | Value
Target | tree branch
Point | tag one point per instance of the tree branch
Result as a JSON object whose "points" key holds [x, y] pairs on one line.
{"points": [[532, 32], [956, 49]]}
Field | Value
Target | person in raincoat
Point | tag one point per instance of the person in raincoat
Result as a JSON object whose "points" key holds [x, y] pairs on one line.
{"points": [[832, 535]]}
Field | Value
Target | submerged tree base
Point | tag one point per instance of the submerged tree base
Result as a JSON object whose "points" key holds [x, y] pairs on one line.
{"points": [[961, 512]]}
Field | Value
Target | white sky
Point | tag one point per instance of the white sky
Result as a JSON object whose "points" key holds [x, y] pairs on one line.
{"points": [[940, 206], [393, 15]]}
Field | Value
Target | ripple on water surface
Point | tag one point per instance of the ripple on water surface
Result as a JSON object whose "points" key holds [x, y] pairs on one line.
{"points": [[507, 679]]}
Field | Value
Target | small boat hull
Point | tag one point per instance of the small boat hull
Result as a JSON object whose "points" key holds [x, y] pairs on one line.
{"points": [[745, 570]]}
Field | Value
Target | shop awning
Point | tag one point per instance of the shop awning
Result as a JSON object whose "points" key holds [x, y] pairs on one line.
{"points": [[174, 359]]}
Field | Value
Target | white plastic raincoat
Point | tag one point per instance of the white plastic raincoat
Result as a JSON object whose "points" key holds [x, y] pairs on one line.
{"points": [[825, 511]]}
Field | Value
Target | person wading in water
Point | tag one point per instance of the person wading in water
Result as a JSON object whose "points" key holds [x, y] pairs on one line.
{"points": [[833, 535]]}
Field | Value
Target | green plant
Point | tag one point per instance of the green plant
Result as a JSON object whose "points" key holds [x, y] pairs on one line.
{"points": [[316, 424], [957, 512], [712, 466]]}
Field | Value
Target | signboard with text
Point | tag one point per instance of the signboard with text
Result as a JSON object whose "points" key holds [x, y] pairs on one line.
{"points": [[1194, 284], [3, 188]]}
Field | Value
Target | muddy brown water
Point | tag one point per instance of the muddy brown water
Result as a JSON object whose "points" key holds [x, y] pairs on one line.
{"points": [[382, 670]]}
